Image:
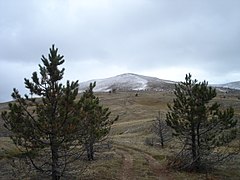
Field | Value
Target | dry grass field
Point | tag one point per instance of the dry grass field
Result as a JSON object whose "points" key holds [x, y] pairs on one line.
{"points": [[129, 157]]}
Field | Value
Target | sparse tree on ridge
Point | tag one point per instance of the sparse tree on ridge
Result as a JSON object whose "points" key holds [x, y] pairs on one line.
{"points": [[199, 123], [96, 121], [47, 130]]}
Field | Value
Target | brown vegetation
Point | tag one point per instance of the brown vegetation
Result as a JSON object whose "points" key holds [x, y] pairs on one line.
{"points": [[128, 135]]}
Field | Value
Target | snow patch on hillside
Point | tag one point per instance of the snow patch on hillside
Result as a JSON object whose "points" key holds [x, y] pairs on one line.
{"points": [[124, 81]]}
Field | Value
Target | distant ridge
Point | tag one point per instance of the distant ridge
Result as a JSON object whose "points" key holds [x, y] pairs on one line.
{"points": [[136, 82], [231, 85], [129, 82]]}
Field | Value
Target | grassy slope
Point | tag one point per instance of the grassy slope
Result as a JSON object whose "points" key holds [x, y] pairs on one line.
{"points": [[130, 158]]}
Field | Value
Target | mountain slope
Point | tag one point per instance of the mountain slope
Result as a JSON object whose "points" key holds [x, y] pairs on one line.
{"points": [[231, 85], [127, 82], [135, 82]]}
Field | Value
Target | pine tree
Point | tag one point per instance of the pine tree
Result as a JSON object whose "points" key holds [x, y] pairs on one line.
{"points": [[200, 123], [46, 129], [161, 129], [96, 121]]}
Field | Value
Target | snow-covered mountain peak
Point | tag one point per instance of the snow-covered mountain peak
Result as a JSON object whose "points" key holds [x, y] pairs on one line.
{"points": [[127, 81], [130, 81]]}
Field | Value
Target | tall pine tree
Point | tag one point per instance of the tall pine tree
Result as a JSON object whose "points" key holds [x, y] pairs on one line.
{"points": [[199, 122], [46, 129]]}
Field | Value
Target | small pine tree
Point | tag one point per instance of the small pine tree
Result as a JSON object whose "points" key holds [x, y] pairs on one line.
{"points": [[46, 129], [96, 122], [199, 123], [161, 129]]}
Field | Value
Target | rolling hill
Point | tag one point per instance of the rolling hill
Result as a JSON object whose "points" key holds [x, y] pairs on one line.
{"points": [[231, 85], [135, 82], [129, 82]]}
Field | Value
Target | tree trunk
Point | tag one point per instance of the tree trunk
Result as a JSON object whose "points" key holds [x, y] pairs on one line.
{"points": [[198, 161], [87, 150], [161, 134], [90, 151], [160, 129], [193, 143], [55, 168]]}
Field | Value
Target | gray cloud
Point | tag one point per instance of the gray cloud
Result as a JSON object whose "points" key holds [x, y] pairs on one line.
{"points": [[115, 36]]}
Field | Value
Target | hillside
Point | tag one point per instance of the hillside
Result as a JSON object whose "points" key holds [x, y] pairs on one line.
{"points": [[131, 151], [129, 157], [231, 85], [128, 82], [135, 82]]}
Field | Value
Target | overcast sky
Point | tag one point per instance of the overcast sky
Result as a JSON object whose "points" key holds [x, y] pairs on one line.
{"points": [[103, 38]]}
